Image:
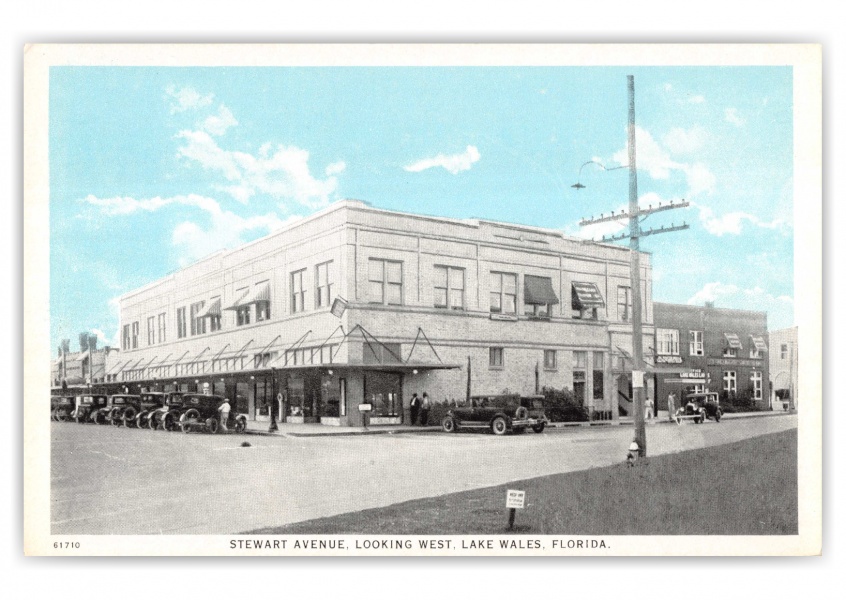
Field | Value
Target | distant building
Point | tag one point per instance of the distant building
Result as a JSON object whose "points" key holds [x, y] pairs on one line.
{"points": [[784, 366], [360, 306], [83, 367], [714, 349]]}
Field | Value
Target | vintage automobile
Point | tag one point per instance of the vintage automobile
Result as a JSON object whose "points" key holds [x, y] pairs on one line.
{"points": [[201, 413], [167, 417], [699, 407], [500, 414], [61, 408], [87, 406], [151, 404], [113, 411]]}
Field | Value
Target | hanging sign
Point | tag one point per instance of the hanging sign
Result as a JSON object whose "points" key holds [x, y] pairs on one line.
{"points": [[637, 379]]}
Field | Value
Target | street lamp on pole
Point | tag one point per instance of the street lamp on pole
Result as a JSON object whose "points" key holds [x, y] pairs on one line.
{"points": [[635, 214]]}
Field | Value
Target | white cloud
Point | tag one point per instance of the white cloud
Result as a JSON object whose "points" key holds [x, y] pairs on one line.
{"points": [[219, 123], [711, 292], [685, 141], [699, 179], [279, 171], [335, 168], [779, 309], [668, 87], [696, 99], [125, 205], [733, 117], [732, 223], [454, 163], [186, 98]]}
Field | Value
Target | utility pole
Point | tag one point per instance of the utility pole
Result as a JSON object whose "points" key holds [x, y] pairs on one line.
{"points": [[635, 215]]}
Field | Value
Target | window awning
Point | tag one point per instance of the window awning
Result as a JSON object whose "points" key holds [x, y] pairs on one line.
{"points": [[538, 290], [733, 341], [260, 293], [212, 309], [760, 344], [586, 295]]}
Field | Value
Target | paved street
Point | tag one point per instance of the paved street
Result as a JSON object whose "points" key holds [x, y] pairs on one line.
{"points": [[108, 480]]}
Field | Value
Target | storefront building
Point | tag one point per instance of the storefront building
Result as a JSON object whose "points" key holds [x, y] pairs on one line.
{"points": [[360, 306], [711, 349], [784, 368]]}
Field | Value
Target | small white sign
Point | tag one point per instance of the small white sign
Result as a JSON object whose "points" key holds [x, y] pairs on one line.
{"points": [[515, 499], [365, 407], [637, 379]]}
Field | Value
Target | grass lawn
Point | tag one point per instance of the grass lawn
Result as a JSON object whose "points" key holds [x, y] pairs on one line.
{"points": [[744, 488]]}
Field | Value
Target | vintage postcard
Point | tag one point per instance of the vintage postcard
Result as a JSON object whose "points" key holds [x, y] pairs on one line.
{"points": [[422, 300]]}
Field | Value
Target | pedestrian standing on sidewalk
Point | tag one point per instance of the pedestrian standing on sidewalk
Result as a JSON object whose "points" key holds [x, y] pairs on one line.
{"points": [[671, 406], [224, 409], [649, 409], [415, 407], [425, 405]]}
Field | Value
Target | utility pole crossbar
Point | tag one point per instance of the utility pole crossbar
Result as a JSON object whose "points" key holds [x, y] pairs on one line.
{"points": [[642, 212]]}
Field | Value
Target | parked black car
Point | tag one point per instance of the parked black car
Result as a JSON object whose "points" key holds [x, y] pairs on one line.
{"points": [[201, 413], [151, 404], [500, 414], [113, 411], [699, 407], [61, 408], [86, 406]]}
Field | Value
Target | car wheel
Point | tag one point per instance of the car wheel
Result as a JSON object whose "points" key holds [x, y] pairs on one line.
{"points": [[141, 420], [499, 426], [240, 425], [53, 415], [213, 424], [538, 428], [79, 418], [152, 422], [128, 417], [449, 425], [522, 412], [185, 426], [169, 423]]}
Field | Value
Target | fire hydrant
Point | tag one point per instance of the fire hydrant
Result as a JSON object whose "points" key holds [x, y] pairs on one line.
{"points": [[634, 452]]}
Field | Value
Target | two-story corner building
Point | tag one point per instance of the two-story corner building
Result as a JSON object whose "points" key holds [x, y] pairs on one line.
{"points": [[715, 349], [86, 366], [356, 305], [784, 367]]}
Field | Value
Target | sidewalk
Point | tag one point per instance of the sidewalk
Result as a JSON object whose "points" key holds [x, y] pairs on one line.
{"points": [[318, 430]]}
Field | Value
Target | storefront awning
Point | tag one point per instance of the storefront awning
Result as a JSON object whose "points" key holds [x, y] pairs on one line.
{"points": [[211, 309], [538, 290], [586, 295], [733, 341], [760, 344], [260, 293]]}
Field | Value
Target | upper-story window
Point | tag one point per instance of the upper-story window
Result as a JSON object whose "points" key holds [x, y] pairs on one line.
{"points": [[585, 300], [783, 353], [503, 293], [261, 295], [697, 345], [449, 287], [136, 327], [162, 330], [213, 314], [757, 346], [198, 323], [732, 345], [181, 323], [624, 303], [550, 359], [667, 341], [538, 296], [385, 281], [324, 279], [151, 331], [127, 336], [298, 291]]}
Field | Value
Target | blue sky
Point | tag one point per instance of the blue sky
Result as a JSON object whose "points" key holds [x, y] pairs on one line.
{"points": [[153, 168]]}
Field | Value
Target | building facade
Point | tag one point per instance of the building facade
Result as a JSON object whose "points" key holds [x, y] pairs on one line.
{"points": [[711, 349], [86, 366], [359, 306], [784, 367]]}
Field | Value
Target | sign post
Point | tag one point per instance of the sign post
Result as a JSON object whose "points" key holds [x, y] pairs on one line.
{"points": [[364, 409], [514, 499]]}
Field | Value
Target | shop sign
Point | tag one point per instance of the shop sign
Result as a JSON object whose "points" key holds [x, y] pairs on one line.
{"points": [[734, 362], [365, 407], [515, 499], [669, 359], [501, 317]]}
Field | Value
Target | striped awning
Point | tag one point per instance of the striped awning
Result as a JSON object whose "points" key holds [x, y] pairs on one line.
{"points": [[538, 290], [586, 295], [733, 341], [260, 293], [211, 309], [760, 344]]}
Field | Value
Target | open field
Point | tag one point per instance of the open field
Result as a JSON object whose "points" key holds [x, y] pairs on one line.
{"points": [[743, 488]]}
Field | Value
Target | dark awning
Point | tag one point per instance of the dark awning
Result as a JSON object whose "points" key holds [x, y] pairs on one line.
{"points": [[260, 293], [212, 309], [760, 344], [538, 290], [733, 340], [586, 295]]}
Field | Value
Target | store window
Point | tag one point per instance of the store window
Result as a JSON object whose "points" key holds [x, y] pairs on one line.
{"points": [[667, 341], [383, 391], [579, 376], [697, 346], [730, 381], [598, 376], [496, 358], [449, 287], [324, 278], [297, 405], [330, 396], [624, 303], [181, 323], [503, 293], [550, 360], [385, 281], [757, 385], [162, 325]]}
